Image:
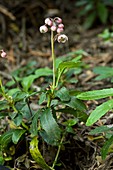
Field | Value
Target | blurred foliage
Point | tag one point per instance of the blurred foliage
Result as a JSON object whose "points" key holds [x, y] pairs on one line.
{"points": [[93, 10]]}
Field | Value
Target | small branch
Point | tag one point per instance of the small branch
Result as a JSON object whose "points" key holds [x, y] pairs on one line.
{"points": [[5, 11], [58, 151]]}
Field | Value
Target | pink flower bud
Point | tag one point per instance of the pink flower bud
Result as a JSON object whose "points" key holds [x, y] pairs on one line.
{"points": [[62, 38], [48, 21], [61, 26], [58, 20], [43, 29], [3, 54], [53, 28], [59, 30]]}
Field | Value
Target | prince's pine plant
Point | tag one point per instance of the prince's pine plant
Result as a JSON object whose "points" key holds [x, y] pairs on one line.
{"points": [[23, 123]]}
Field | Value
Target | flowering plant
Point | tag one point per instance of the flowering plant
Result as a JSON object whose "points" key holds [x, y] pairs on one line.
{"points": [[42, 124]]}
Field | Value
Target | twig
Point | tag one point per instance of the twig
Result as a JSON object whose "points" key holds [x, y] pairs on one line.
{"points": [[5, 11]]}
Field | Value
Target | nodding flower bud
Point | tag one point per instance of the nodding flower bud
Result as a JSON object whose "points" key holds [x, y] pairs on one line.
{"points": [[62, 38], [53, 28], [61, 26], [48, 21], [59, 30], [43, 29], [58, 20], [3, 54]]}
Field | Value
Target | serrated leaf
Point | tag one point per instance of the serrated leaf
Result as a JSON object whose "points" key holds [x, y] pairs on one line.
{"points": [[102, 12], [50, 127], [42, 98], [18, 120], [6, 138], [36, 155], [17, 133], [63, 94], [76, 104], [100, 129], [99, 112], [95, 94], [106, 146], [82, 116], [34, 125]]}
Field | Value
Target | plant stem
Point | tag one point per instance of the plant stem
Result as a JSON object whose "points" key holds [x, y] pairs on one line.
{"points": [[58, 151], [53, 58]]}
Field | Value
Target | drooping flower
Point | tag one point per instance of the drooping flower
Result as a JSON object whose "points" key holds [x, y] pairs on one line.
{"points": [[48, 21], [3, 54], [53, 28], [60, 25], [62, 38], [43, 29], [55, 24], [59, 30], [58, 20]]}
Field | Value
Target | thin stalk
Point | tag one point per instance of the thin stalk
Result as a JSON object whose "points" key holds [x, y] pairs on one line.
{"points": [[58, 151], [27, 101], [53, 58], [49, 100]]}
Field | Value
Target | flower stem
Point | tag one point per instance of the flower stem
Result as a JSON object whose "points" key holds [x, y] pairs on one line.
{"points": [[53, 58], [58, 151]]}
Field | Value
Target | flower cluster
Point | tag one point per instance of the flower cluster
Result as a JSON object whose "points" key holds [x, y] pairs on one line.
{"points": [[3, 53], [55, 25]]}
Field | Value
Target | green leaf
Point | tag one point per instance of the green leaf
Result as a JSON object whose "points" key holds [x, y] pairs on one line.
{"points": [[106, 146], [43, 72], [90, 20], [13, 91], [106, 35], [42, 98], [19, 95], [3, 114], [71, 122], [51, 129], [95, 94], [17, 133], [82, 116], [34, 125], [104, 71], [76, 104], [3, 105], [99, 112], [100, 129], [63, 94], [36, 155], [64, 65], [102, 12], [2, 160], [18, 120], [6, 138], [27, 82]]}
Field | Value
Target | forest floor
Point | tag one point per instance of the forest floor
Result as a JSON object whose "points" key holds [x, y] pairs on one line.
{"points": [[24, 44]]}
